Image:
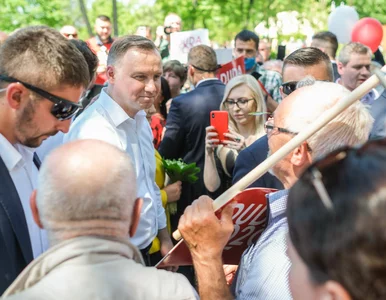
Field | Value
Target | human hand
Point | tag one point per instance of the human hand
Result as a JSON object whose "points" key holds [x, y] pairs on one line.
{"points": [[235, 141], [230, 273], [211, 139], [166, 246], [173, 191], [205, 234]]}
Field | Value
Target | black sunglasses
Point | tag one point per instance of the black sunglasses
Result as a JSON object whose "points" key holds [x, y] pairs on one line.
{"points": [[62, 110], [289, 87], [314, 172]]}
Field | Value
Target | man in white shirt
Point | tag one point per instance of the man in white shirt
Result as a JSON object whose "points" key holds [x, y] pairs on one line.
{"points": [[134, 72], [42, 78]]}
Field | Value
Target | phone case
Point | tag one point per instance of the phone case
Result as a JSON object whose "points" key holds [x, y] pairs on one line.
{"points": [[219, 120]]}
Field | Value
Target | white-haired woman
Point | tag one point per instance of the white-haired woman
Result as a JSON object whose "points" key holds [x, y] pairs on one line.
{"points": [[242, 96]]}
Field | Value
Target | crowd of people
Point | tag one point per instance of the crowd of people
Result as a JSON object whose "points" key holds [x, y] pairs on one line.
{"points": [[85, 197]]}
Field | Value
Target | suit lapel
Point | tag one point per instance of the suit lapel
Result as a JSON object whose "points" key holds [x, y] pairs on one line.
{"points": [[10, 201]]}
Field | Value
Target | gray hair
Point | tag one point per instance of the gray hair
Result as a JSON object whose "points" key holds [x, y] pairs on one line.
{"points": [[83, 181], [351, 127], [350, 48]]}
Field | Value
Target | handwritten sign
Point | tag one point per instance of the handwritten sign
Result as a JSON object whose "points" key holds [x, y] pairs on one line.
{"points": [[232, 69], [182, 42], [249, 219]]}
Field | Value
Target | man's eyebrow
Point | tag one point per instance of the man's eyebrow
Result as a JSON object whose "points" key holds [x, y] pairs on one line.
{"points": [[361, 65]]}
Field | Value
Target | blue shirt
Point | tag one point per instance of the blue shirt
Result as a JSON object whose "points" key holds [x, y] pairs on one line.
{"points": [[264, 266]]}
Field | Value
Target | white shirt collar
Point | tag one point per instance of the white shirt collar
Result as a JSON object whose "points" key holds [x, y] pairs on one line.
{"points": [[203, 80], [116, 112], [14, 156]]}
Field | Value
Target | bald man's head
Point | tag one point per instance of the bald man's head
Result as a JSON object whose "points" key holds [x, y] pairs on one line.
{"points": [[86, 187]]}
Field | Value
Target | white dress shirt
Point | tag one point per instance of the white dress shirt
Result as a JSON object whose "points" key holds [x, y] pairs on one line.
{"points": [[19, 161], [105, 120]]}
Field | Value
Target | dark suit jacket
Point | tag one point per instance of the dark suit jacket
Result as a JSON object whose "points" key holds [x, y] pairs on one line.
{"points": [[185, 135], [15, 244], [378, 111], [251, 157]]}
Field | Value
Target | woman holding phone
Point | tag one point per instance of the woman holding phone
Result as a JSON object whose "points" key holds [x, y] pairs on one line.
{"points": [[242, 96]]}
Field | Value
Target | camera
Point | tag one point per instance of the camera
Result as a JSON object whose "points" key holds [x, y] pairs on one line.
{"points": [[168, 30]]}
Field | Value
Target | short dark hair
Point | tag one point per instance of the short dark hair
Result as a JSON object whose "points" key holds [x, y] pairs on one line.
{"points": [[178, 69], [41, 56], [104, 18], [203, 58], [89, 56], [327, 40], [307, 57], [247, 35], [346, 243], [123, 44], [165, 90]]}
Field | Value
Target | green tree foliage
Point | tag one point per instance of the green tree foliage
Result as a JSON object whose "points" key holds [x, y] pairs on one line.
{"points": [[223, 18]]}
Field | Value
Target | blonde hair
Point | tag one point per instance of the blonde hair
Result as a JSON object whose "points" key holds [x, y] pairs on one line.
{"points": [[258, 97]]}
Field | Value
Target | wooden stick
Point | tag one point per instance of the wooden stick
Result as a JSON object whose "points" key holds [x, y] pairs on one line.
{"points": [[298, 139]]}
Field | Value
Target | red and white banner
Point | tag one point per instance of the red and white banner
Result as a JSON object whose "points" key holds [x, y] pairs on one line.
{"points": [[232, 69], [249, 218]]}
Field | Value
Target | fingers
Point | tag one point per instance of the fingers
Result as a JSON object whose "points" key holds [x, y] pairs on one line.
{"points": [[226, 217], [210, 128]]}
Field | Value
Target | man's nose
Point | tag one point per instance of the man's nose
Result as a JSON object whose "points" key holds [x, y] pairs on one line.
{"points": [[63, 126]]}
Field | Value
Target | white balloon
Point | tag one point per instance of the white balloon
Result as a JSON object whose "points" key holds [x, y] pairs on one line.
{"points": [[341, 22]]}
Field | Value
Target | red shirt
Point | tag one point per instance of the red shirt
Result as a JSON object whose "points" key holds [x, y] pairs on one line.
{"points": [[101, 50]]}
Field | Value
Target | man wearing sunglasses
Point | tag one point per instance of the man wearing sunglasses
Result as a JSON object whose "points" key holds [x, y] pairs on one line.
{"points": [[264, 266], [42, 78], [299, 64]]}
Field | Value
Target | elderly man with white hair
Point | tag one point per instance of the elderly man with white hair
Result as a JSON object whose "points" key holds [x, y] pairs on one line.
{"points": [[88, 222], [264, 266]]}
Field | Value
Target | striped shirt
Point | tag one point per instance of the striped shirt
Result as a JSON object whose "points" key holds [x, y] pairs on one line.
{"points": [[264, 266]]}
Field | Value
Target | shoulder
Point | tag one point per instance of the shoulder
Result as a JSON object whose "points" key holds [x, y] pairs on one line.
{"points": [[92, 125]]}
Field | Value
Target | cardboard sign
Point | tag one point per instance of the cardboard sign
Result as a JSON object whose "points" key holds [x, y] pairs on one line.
{"points": [[182, 42], [223, 56], [249, 218], [232, 69]]}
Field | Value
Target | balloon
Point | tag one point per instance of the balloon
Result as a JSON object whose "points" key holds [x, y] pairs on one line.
{"points": [[369, 32], [341, 22]]}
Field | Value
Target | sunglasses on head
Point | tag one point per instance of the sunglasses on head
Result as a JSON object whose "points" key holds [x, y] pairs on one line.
{"points": [[316, 169], [62, 110], [289, 87]]}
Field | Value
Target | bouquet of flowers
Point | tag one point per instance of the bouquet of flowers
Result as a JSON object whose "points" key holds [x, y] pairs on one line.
{"points": [[178, 170]]}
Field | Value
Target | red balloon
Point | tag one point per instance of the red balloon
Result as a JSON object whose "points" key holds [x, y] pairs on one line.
{"points": [[369, 32]]}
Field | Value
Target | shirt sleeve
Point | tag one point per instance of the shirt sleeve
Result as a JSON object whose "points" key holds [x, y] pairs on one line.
{"points": [[160, 209]]}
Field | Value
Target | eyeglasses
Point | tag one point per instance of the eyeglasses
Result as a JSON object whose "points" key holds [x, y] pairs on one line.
{"points": [[67, 35], [314, 172], [289, 87], [241, 102], [62, 110], [270, 129]]}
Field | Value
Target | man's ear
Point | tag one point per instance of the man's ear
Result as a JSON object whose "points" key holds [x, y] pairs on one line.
{"points": [[34, 208], [136, 214], [301, 156], [282, 93], [110, 73], [15, 94], [191, 71], [332, 290], [340, 68]]}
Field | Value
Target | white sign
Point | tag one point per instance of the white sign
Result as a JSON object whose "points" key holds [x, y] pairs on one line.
{"points": [[224, 56], [182, 42]]}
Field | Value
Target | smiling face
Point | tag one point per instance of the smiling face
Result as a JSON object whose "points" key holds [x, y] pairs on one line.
{"points": [[240, 113], [135, 81], [356, 71]]}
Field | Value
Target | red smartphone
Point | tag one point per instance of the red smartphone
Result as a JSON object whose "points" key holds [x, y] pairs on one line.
{"points": [[219, 120]]}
